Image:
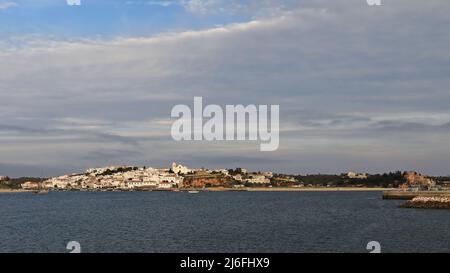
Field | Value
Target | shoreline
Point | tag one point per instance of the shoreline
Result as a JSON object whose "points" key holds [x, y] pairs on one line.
{"points": [[219, 189], [312, 189], [277, 189], [13, 191]]}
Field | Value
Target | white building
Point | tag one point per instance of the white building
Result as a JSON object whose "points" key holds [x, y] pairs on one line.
{"points": [[171, 178], [159, 179], [238, 177], [354, 175], [30, 185], [165, 185], [180, 169], [223, 171], [258, 179], [141, 184]]}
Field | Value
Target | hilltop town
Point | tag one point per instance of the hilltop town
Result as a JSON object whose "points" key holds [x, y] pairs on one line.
{"points": [[135, 178]]}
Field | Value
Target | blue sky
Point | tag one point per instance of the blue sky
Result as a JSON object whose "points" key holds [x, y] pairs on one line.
{"points": [[360, 88], [105, 18]]}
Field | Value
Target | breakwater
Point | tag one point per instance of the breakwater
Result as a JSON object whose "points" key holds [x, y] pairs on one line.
{"points": [[409, 195], [431, 202]]}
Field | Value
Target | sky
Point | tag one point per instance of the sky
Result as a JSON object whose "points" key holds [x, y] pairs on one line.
{"points": [[360, 88]]}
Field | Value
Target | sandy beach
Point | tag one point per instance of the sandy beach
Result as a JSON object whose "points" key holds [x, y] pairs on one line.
{"points": [[304, 189], [11, 191]]}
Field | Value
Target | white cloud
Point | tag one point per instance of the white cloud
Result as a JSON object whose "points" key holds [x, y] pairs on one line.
{"points": [[323, 66], [160, 3], [7, 5], [163, 3], [201, 6], [254, 8]]}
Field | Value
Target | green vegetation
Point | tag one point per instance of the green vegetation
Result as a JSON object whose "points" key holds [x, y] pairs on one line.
{"points": [[386, 180], [119, 170], [14, 183], [440, 179], [235, 171]]}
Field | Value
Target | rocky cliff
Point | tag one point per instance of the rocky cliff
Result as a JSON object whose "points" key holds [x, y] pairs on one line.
{"points": [[416, 179]]}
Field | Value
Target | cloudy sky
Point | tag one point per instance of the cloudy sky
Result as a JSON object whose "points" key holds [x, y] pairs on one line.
{"points": [[360, 88]]}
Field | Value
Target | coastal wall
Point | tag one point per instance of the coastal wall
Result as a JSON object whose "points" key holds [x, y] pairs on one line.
{"points": [[409, 195]]}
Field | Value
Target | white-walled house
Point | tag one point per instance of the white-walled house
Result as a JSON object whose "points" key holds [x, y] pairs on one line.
{"points": [[30, 185], [180, 169], [165, 185], [238, 177], [258, 179], [354, 175], [141, 184]]}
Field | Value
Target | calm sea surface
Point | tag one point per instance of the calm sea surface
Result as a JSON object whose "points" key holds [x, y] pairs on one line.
{"points": [[217, 222]]}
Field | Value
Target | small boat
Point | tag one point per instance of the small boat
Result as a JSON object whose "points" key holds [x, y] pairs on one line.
{"points": [[41, 192], [193, 191]]}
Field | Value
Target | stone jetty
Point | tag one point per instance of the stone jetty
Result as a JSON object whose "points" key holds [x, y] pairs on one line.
{"points": [[429, 202]]}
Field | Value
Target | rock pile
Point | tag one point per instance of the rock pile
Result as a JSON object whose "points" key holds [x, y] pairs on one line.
{"points": [[428, 202]]}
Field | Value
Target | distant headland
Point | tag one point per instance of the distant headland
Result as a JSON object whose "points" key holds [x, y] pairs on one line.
{"points": [[179, 177]]}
